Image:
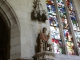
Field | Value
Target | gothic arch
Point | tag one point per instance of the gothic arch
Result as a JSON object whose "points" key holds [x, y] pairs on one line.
{"points": [[10, 19]]}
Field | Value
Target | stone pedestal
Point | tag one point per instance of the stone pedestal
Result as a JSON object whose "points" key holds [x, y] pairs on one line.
{"points": [[46, 55]]}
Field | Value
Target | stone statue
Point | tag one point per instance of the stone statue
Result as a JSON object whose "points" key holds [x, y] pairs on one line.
{"points": [[44, 41]]}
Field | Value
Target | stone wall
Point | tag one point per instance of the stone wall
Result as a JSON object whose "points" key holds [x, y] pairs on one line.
{"points": [[29, 29], [10, 20]]}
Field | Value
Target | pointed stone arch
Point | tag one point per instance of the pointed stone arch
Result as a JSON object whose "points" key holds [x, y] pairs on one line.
{"points": [[10, 19]]}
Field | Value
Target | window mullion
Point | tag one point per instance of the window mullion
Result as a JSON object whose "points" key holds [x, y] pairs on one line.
{"points": [[71, 27], [61, 28]]}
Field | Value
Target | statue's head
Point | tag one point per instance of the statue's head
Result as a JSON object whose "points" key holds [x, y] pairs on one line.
{"points": [[44, 29]]}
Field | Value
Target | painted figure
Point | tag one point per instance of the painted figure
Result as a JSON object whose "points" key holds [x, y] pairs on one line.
{"points": [[44, 40]]}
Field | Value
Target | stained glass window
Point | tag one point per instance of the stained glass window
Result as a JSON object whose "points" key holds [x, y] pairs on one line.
{"points": [[58, 8], [74, 20], [66, 27], [54, 27]]}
